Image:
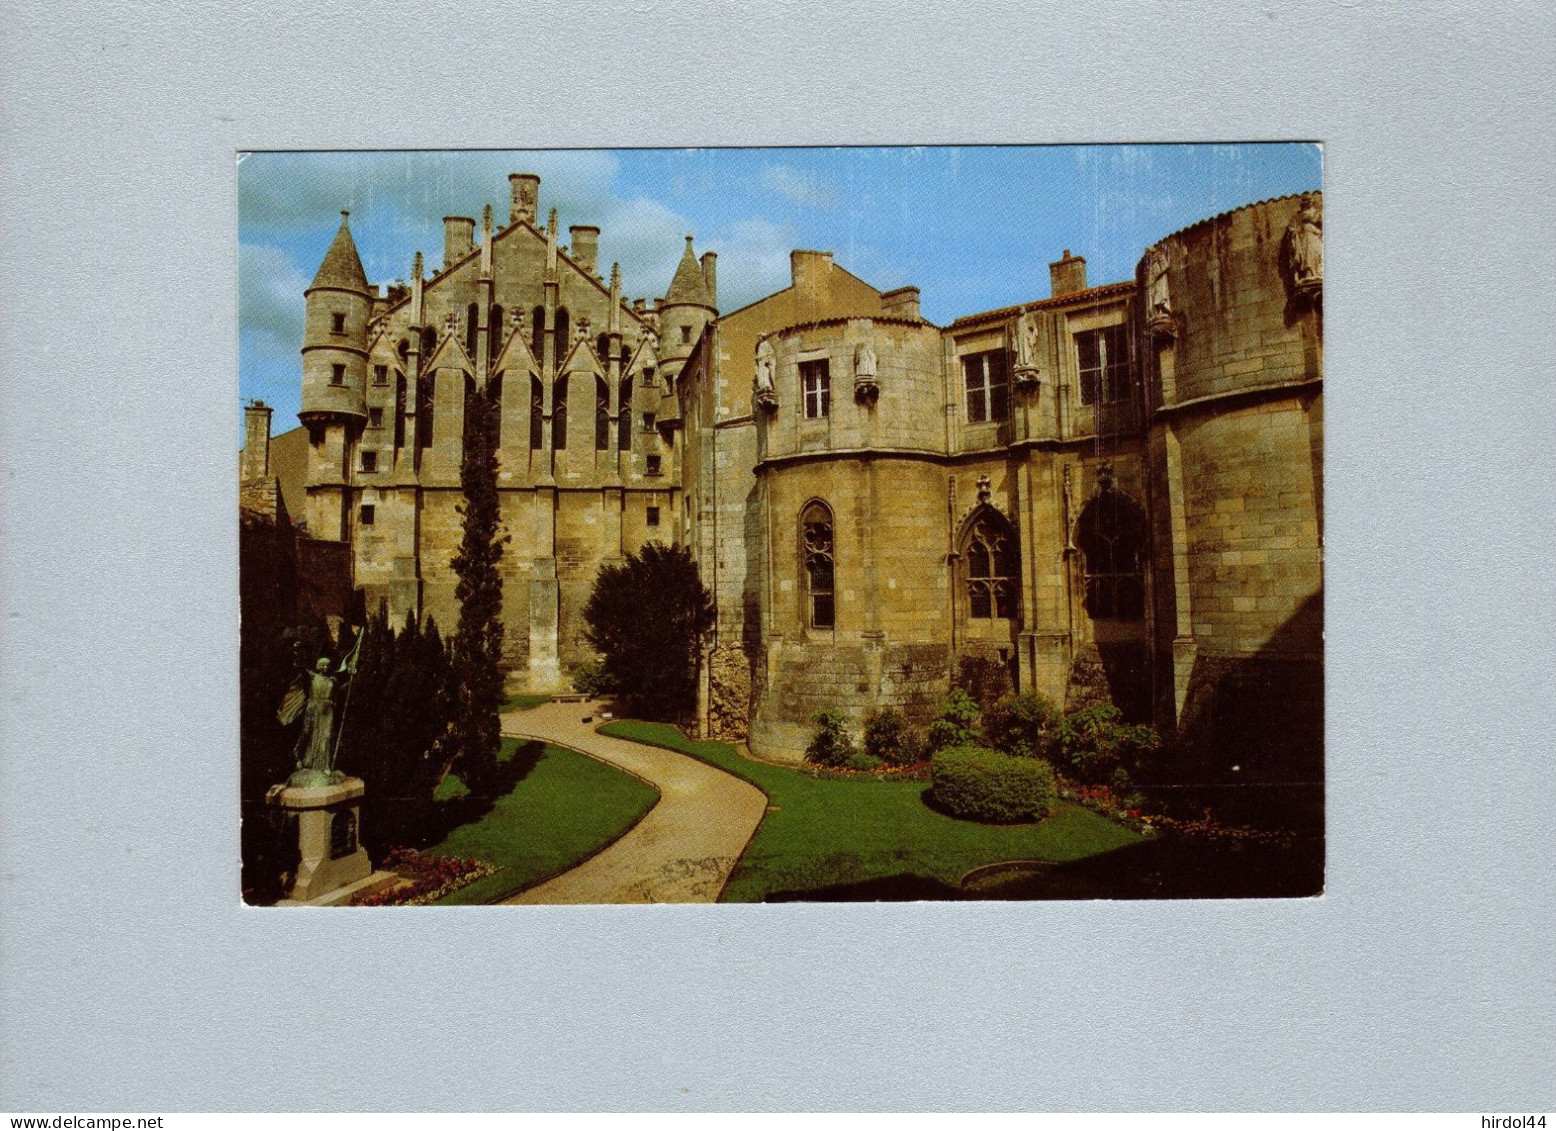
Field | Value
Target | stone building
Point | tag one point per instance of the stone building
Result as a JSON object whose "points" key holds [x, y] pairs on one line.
{"points": [[1107, 491]]}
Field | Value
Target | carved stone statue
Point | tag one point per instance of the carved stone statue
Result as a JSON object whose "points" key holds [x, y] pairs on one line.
{"points": [[1305, 247], [1028, 348], [1158, 297], [866, 387], [764, 392]]}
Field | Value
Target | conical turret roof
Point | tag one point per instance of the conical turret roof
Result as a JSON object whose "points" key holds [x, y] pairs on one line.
{"points": [[342, 266], [688, 285]]}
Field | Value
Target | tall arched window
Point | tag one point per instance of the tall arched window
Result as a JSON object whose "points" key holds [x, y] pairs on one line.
{"points": [[424, 397], [817, 560], [537, 332], [429, 342], [399, 409], [602, 349], [493, 333], [537, 414], [1111, 533], [993, 567], [624, 417], [560, 336], [559, 414], [602, 415], [404, 348], [494, 419], [472, 328]]}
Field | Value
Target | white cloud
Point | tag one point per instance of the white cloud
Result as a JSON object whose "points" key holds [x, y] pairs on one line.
{"points": [[800, 186]]}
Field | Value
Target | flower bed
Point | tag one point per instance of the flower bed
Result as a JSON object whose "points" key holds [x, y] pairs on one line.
{"points": [[918, 771], [1101, 799], [431, 878]]}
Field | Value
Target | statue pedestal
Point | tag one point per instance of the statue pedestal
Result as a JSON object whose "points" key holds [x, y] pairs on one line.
{"points": [[328, 820]]}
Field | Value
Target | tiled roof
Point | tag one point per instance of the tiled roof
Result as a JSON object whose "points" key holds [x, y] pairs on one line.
{"points": [[1090, 294]]}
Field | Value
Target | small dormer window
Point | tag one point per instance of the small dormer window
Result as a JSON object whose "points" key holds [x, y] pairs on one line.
{"points": [[337, 375], [337, 323]]}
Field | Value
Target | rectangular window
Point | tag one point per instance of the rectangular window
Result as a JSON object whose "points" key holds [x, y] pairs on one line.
{"points": [[686, 335], [365, 516], [380, 375], [1103, 357], [337, 375], [375, 418], [816, 384], [369, 461], [653, 516], [987, 379], [648, 422], [653, 465], [337, 323]]}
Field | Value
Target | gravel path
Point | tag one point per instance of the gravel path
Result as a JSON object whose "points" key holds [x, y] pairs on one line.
{"points": [[683, 849]]}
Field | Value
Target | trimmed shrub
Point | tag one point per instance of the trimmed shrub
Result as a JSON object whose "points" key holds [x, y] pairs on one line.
{"points": [[1099, 749], [979, 784], [593, 680], [957, 724], [889, 737], [864, 762], [833, 745], [1025, 726]]}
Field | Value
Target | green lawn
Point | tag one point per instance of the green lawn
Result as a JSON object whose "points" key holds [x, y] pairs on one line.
{"points": [[564, 808], [524, 702], [869, 836]]}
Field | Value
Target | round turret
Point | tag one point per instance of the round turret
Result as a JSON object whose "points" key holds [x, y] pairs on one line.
{"points": [[687, 308], [338, 305]]}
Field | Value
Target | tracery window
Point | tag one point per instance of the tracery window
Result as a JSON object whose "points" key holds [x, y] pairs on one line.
{"points": [[559, 414], [1111, 533], [494, 418], [993, 566], [472, 328], [624, 416], [537, 414], [561, 334], [493, 333], [817, 560], [537, 334]]}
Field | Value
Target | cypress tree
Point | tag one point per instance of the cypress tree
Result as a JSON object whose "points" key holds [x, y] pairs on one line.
{"points": [[477, 651]]}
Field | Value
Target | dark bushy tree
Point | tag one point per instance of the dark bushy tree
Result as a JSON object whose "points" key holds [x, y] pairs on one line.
{"points": [[647, 618], [477, 681]]}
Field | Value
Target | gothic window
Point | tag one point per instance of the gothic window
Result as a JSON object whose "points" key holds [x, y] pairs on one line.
{"points": [[404, 348], [626, 357], [559, 414], [602, 347], [429, 342], [816, 384], [1111, 533], [537, 414], [560, 334], [537, 333], [493, 333], [494, 418], [472, 328], [399, 410], [987, 380], [993, 566], [424, 390], [1103, 357], [816, 559], [602, 416], [624, 416]]}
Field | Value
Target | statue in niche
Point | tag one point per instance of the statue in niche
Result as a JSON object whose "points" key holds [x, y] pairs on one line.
{"points": [[1159, 317], [866, 387], [1028, 347], [1305, 247], [764, 393]]}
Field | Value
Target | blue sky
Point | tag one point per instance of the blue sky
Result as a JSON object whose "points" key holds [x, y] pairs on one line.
{"points": [[973, 227]]}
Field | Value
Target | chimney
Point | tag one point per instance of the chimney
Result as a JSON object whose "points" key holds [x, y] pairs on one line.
{"points": [[809, 269], [256, 441], [585, 248], [524, 188], [710, 276], [900, 303], [458, 238], [1067, 276]]}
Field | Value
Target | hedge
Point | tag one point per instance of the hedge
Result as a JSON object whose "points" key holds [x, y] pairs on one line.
{"points": [[979, 784]]}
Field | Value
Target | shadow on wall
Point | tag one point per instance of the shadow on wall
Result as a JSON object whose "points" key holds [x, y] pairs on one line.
{"points": [[1251, 739]]}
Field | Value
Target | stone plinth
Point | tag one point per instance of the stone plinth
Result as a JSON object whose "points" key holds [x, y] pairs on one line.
{"points": [[328, 820]]}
